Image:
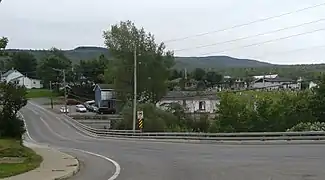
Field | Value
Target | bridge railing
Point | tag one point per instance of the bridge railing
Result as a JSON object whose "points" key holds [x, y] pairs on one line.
{"points": [[247, 136]]}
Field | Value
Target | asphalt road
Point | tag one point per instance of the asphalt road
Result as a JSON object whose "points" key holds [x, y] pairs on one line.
{"points": [[147, 160]]}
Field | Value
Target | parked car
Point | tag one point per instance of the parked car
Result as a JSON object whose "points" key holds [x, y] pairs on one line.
{"points": [[105, 110], [80, 108], [64, 110], [90, 105]]}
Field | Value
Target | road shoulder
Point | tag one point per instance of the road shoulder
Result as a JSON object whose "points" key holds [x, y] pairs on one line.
{"points": [[56, 165]]}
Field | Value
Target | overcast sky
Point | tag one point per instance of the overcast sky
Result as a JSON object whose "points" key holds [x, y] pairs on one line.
{"points": [[66, 24]]}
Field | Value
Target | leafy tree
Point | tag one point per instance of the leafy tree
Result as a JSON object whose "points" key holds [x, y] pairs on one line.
{"points": [[93, 70], [317, 101], [153, 62], [13, 98], [174, 74], [213, 78], [3, 43], [198, 74], [54, 60], [24, 62]]}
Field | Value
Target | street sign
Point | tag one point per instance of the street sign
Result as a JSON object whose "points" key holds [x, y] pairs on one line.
{"points": [[140, 124], [140, 114]]}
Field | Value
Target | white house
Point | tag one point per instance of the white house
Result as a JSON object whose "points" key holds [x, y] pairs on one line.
{"points": [[269, 76], [192, 101], [16, 77], [275, 83]]}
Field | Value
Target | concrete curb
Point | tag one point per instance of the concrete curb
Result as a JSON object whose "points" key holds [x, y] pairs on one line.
{"points": [[74, 172], [66, 155]]}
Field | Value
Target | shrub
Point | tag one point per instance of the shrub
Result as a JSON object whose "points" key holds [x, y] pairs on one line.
{"points": [[308, 126]]}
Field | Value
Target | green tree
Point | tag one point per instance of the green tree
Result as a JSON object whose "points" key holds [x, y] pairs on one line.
{"points": [[24, 62], [3, 43], [13, 98], [235, 113], [153, 62], [3, 60], [93, 69], [317, 101], [198, 74], [213, 78], [55, 59]]}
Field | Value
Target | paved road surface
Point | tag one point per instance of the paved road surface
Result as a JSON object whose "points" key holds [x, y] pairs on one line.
{"points": [[145, 160]]}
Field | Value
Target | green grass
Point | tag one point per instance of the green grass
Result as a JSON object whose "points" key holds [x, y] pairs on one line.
{"points": [[38, 93], [13, 148]]}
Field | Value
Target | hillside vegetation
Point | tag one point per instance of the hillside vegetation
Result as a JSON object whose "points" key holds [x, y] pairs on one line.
{"points": [[217, 62]]}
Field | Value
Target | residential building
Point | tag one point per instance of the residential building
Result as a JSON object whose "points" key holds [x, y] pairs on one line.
{"points": [[275, 83], [193, 101], [105, 95], [18, 78], [269, 76]]}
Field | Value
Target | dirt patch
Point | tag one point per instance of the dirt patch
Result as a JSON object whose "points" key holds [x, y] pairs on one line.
{"points": [[11, 160]]}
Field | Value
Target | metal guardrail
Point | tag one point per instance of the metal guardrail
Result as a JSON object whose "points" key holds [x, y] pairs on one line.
{"points": [[247, 136]]}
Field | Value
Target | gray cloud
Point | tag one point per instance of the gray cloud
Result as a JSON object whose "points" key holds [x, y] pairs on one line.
{"points": [[66, 24]]}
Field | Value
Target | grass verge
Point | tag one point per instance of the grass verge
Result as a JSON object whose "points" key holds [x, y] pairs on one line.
{"points": [[38, 93], [13, 149]]}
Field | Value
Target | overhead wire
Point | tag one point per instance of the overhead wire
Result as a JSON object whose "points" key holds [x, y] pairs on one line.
{"points": [[245, 24], [264, 42], [251, 36]]}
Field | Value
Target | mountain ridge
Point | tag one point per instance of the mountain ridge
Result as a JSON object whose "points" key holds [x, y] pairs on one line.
{"points": [[208, 62]]}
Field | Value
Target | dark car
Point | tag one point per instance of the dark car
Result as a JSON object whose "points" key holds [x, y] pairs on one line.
{"points": [[105, 110]]}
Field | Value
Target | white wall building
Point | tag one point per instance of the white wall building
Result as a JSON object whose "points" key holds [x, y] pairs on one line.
{"points": [[270, 76], [16, 77], [192, 102], [275, 83]]}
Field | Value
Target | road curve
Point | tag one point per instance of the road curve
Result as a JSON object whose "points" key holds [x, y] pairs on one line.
{"points": [[147, 160]]}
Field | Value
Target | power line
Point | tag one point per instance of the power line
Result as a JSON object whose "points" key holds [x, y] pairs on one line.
{"points": [[246, 24], [290, 51], [264, 42], [251, 36]]}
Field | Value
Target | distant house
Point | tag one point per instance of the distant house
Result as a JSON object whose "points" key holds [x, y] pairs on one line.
{"points": [[275, 83], [192, 101], [18, 78], [105, 96], [269, 76]]}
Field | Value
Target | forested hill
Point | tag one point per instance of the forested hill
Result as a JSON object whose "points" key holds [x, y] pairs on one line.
{"points": [[217, 62]]}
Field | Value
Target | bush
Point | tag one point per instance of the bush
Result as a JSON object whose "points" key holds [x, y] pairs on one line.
{"points": [[309, 126], [11, 127]]}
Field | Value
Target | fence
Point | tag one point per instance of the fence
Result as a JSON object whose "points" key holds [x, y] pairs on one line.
{"points": [[251, 136]]}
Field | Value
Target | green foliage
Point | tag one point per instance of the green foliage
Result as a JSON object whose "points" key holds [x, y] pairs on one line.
{"points": [[55, 59], [308, 126], [14, 148], [173, 119], [93, 69], [37, 93], [222, 64], [264, 111], [3, 43], [198, 74], [153, 62], [13, 98], [317, 102], [24, 62]]}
